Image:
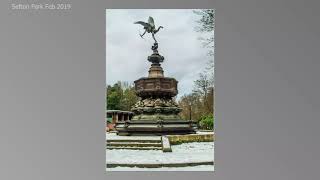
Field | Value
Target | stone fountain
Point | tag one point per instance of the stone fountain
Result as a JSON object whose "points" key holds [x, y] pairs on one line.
{"points": [[156, 113]]}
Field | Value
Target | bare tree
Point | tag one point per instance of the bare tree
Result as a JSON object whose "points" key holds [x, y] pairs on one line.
{"points": [[206, 27]]}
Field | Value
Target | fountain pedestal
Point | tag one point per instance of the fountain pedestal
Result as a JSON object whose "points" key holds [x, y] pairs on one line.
{"points": [[156, 113]]}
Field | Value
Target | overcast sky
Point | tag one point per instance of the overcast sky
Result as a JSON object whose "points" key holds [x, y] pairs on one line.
{"points": [[127, 52]]}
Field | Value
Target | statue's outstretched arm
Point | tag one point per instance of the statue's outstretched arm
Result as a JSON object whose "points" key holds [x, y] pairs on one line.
{"points": [[143, 33]]}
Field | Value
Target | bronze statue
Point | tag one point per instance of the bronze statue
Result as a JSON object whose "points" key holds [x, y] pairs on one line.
{"points": [[149, 27]]}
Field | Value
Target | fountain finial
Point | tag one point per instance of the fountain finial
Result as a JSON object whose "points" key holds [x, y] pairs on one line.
{"points": [[149, 27]]}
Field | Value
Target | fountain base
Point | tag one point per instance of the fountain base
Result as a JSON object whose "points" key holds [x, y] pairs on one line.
{"points": [[155, 127]]}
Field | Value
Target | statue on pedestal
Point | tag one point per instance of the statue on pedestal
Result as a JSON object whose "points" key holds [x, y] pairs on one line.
{"points": [[155, 113], [149, 28]]}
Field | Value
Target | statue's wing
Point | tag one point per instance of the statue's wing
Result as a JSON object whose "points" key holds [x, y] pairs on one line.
{"points": [[151, 21], [144, 24]]}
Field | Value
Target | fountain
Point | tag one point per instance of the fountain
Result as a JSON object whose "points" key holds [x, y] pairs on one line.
{"points": [[156, 113]]}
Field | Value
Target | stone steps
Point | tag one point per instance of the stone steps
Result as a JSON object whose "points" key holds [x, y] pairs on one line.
{"points": [[135, 144], [134, 140], [134, 148]]}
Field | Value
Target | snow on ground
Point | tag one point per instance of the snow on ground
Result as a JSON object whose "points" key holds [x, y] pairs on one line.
{"points": [[183, 153], [187, 152], [205, 132], [192, 168]]}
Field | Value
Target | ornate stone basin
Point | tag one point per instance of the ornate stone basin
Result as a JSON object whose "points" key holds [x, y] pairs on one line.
{"points": [[156, 86]]}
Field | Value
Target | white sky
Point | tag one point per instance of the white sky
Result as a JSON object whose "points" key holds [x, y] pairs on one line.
{"points": [[127, 52]]}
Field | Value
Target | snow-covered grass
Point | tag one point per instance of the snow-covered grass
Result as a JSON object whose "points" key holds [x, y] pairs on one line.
{"points": [[183, 153]]}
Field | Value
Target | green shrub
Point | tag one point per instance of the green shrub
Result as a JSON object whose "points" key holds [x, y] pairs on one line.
{"points": [[206, 122]]}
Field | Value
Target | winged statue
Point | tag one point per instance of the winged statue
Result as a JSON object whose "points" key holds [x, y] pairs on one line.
{"points": [[149, 27]]}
